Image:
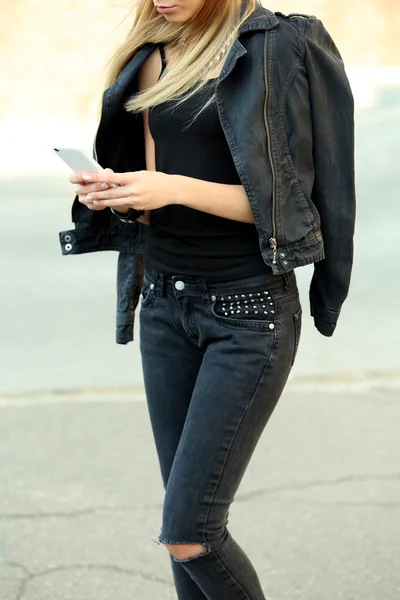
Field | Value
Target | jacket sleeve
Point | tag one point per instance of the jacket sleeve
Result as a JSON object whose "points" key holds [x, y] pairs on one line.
{"points": [[332, 111]]}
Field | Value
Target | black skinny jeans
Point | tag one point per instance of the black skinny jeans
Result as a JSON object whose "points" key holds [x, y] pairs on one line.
{"points": [[216, 357]]}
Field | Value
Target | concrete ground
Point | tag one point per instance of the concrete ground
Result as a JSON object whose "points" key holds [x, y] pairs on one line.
{"points": [[318, 510], [80, 493]]}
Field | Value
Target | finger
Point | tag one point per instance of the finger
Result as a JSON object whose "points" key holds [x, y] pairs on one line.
{"points": [[87, 188], [115, 202], [108, 176], [93, 207], [90, 205], [111, 194], [76, 177]]}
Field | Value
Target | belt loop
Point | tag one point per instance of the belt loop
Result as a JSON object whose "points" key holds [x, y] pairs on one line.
{"points": [[205, 295], [161, 284], [155, 277]]}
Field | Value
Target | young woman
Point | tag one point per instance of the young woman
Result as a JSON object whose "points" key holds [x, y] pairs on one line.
{"points": [[230, 131]]}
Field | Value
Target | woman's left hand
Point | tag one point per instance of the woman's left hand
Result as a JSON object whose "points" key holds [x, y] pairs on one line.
{"points": [[142, 190]]}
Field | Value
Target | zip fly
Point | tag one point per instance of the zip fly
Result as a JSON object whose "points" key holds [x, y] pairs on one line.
{"points": [[272, 242]]}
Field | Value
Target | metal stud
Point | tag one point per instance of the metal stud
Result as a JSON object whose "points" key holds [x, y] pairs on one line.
{"points": [[222, 298], [271, 326], [246, 312], [243, 296], [237, 312], [213, 298], [229, 297], [236, 297], [272, 312], [266, 293], [263, 306], [250, 295], [226, 314], [265, 312], [256, 312], [232, 312], [258, 294], [271, 303]]}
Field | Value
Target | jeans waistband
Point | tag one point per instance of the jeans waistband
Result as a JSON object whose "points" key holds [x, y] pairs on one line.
{"points": [[195, 286]]}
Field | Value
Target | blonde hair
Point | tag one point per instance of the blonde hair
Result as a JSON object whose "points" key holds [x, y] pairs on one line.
{"points": [[217, 22]]}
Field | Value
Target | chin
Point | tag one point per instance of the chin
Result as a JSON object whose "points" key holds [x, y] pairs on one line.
{"points": [[175, 19]]}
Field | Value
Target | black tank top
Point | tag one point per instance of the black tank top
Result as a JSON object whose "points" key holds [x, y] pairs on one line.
{"points": [[182, 240]]}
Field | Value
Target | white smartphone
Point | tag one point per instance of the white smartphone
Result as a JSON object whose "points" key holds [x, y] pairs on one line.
{"points": [[79, 161]]}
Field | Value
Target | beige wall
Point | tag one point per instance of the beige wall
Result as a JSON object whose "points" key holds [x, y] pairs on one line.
{"points": [[366, 31], [55, 51]]}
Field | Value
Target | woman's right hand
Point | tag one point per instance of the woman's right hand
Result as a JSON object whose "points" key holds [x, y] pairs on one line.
{"points": [[82, 188]]}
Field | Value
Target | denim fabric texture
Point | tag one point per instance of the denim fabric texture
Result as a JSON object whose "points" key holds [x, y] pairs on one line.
{"points": [[216, 357], [287, 111]]}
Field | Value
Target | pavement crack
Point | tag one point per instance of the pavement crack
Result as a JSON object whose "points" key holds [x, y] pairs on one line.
{"points": [[77, 513], [14, 565], [30, 575], [316, 483], [101, 510], [92, 567], [24, 580], [339, 503]]}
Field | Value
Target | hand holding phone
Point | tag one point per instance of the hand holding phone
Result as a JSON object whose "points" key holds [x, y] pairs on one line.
{"points": [[81, 162]]}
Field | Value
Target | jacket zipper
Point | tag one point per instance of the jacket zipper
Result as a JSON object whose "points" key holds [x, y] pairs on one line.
{"points": [[272, 242]]}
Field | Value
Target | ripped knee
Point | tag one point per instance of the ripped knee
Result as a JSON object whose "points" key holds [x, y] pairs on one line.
{"points": [[185, 551]]}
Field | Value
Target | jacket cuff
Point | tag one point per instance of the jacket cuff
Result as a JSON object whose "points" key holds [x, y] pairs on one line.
{"points": [[325, 327], [125, 328], [325, 319]]}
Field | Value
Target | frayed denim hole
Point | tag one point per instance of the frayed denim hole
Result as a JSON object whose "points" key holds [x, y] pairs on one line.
{"points": [[206, 546], [207, 550]]}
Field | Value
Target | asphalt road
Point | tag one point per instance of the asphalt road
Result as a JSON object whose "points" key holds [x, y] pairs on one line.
{"points": [[317, 512]]}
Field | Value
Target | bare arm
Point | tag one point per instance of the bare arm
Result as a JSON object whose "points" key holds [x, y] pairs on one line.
{"points": [[222, 200]]}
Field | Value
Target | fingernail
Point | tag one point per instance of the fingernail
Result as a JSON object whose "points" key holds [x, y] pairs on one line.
{"points": [[104, 186], [96, 202], [88, 197], [86, 177]]}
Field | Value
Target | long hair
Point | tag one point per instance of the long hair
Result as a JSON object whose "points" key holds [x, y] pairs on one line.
{"points": [[217, 22]]}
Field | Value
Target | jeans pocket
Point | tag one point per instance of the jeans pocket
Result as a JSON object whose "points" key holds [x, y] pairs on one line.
{"points": [[245, 310], [297, 332]]}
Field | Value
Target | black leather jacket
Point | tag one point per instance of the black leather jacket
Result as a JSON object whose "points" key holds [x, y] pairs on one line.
{"points": [[287, 112]]}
